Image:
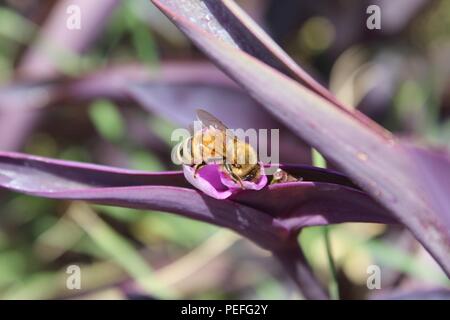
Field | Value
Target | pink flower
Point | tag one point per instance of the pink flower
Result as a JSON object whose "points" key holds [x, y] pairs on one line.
{"points": [[218, 184]]}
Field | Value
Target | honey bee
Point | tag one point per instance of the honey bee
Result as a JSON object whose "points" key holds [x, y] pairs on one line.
{"points": [[215, 144]]}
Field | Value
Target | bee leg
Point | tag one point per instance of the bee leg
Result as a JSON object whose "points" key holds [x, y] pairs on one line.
{"points": [[197, 168], [235, 177], [239, 180]]}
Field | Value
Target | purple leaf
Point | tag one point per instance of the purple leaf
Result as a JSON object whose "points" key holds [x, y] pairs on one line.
{"points": [[24, 96], [227, 22], [423, 294], [182, 88], [432, 169], [269, 216], [374, 159], [38, 62], [54, 37], [173, 92]]}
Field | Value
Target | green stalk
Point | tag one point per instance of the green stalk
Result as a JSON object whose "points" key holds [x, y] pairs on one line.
{"points": [[333, 286]]}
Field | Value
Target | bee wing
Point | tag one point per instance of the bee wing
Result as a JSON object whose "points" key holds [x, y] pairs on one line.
{"points": [[191, 129], [208, 120]]}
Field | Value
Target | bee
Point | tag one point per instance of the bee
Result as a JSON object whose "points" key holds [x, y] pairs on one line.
{"points": [[215, 144], [281, 176]]}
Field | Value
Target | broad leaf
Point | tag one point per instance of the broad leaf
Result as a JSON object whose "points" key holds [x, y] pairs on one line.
{"points": [[374, 159], [269, 217]]}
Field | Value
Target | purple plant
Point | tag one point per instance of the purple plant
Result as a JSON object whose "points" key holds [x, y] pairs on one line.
{"points": [[384, 180], [213, 182], [391, 171], [271, 217]]}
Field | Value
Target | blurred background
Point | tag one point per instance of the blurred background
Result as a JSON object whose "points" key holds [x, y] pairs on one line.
{"points": [[399, 76]]}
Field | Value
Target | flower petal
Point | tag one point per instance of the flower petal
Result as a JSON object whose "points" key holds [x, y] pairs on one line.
{"points": [[211, 180], [207, 180]]}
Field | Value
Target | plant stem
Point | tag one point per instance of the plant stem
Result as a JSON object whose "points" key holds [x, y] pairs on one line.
{"points": [[295, 263], [333, 285]]}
